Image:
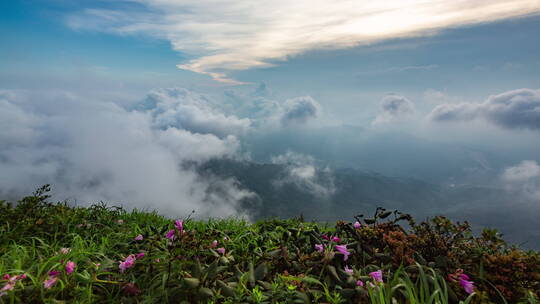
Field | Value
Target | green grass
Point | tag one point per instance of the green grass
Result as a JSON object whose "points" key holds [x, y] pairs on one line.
{"points": [[272, 261]]}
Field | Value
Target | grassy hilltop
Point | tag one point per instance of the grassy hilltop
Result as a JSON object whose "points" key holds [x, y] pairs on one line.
{"points": [[54, 253]]}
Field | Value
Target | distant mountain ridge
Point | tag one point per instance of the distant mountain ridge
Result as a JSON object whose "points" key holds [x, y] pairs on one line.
{"points": [[356, 191]]}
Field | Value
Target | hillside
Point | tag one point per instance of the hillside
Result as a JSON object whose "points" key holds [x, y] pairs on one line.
{"points": [[50, 252], [279, 195]]}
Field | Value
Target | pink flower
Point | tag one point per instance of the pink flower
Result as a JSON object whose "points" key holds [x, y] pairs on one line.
{"points": [[127, 263], [343, 250], [65, 250], [179, 224], [158, 260], [9, 286], [139, 237], [23, 276], [325, 237], [359, 283], [50, 282], [348, 270], [221, 250], [336, 239], [214, 244], [467, 285], [170, 234], [377, 276], [357, 225], [70, 267], [6, 277], [319, 247], [54, 273], [139, 255]]}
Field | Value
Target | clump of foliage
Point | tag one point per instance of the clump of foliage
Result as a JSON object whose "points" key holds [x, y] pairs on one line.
{"points": [[52, 252]]}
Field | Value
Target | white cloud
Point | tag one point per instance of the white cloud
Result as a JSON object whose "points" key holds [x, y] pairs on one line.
{"points": [[394, 108], [92, 150], [523, 178], [513, 109], [226, 35], [303, 172], [181, 108], [299, 110]]}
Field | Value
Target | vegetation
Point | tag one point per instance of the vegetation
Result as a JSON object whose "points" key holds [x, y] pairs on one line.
{"points": [[51, 252]]}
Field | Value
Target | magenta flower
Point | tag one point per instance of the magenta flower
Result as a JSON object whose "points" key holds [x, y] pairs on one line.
{"points": [[170, 234], [179, 224], [336, 239], [214, 244], [319, 247], [325, 237], [127, 263], [348, 270], [70, 267], [343, 250], [50, 282], [465, 282], [359, 283], [357, 225], [139, 255], [6, 277], [139, 237], [221, 250], [54, 273], [377, 276]]}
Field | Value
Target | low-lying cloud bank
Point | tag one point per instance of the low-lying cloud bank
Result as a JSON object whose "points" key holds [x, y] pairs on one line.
{"points": [[513, 110], [94, 150]]}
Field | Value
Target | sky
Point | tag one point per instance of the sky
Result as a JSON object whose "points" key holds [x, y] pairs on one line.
{"points": [[107, 100]]}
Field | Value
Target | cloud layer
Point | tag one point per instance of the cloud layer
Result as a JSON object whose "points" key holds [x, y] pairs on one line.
{"points": [[513, 109], [91, 150], [224, 35], [394, 107]]}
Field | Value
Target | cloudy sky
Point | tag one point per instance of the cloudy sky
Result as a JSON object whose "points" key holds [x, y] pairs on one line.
{"points": [[108, 100]]}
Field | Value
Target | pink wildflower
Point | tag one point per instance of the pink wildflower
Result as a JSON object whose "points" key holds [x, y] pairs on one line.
{"points": [[214, 244], [325, 237], [54, 273], [377, 276], [9, 286], [221, 250], [70, 267], [65, 250], [359, 283], [343, 250], [336, 239], [467, 285], [179, 224], [127, 263], [357, 225], [158, 260], [50, 282], [348, 270], [6, 277], [139, 255], [139, 237], [170, 234], [319, 247]]}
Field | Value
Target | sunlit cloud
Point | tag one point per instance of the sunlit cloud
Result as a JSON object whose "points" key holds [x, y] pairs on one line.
{"points": [[224, 36]]}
